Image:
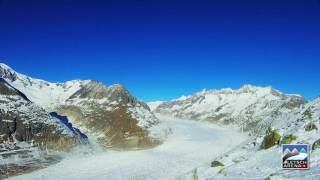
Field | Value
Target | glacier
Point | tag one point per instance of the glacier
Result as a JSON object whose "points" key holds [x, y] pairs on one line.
{"points": [[190, 145]]}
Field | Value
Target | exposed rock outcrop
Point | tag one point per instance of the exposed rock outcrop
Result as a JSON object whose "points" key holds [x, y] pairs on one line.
{"points": [[112, 114], [23, 121]]}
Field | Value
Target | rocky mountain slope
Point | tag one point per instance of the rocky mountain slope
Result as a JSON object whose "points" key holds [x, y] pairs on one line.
{"points": [[112, 114], [23, 121], [272, 118], [251, 108], [109, 114], [260, 156]]}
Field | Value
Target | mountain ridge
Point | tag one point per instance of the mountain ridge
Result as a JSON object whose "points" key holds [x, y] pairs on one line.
{"points": [[23, 120], [251, 107], [93, 107]]}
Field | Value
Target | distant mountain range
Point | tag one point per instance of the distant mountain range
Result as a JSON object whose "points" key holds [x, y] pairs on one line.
{"points": [[270, 117], [251, 108]]}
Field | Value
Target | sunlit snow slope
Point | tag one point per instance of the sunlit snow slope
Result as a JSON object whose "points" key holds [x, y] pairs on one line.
{"points": [[191, 144]]}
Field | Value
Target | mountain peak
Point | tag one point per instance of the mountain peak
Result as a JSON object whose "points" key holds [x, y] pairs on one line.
{"points": [[7, 72], [250, 87], [118, 91], [118, 87], [246, 104], [247, 88], [93, 89], [4, 66]]}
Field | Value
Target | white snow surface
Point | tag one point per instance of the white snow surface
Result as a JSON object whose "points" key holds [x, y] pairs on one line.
{"points": [[43, 93], [248, 161], [191, 144], [153, 105], [250, 107], [48, 95], [210, 103]]}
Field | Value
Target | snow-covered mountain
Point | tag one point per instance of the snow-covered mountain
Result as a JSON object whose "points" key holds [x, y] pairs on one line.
{"points": [[153, 105], [260, 156], [46, 94], [111, 114], [117, 119], [23, 121], [250, 107]]}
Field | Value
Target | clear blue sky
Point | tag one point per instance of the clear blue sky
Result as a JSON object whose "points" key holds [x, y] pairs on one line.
{"points": [[164, 49]]}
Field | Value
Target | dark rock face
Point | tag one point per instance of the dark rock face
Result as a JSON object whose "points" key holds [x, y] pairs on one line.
{"points": [[24, 121], [43, 135], [271, 139], [115, 129], [216, 164], [7, 89], [65, 121], [294, 102]]}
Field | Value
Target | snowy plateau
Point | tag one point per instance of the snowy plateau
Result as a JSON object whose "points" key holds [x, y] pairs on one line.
{"points": [[212, 134]]}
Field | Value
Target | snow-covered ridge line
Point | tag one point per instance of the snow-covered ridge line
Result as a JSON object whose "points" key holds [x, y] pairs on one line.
{"points": [[252, 108], [7, 68], [111, 107], [153, 105], [41, 92], [246, 88]]}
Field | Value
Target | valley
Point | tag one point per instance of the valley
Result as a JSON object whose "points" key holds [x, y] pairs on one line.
{"points": [[83, 129], [190, 145]]}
